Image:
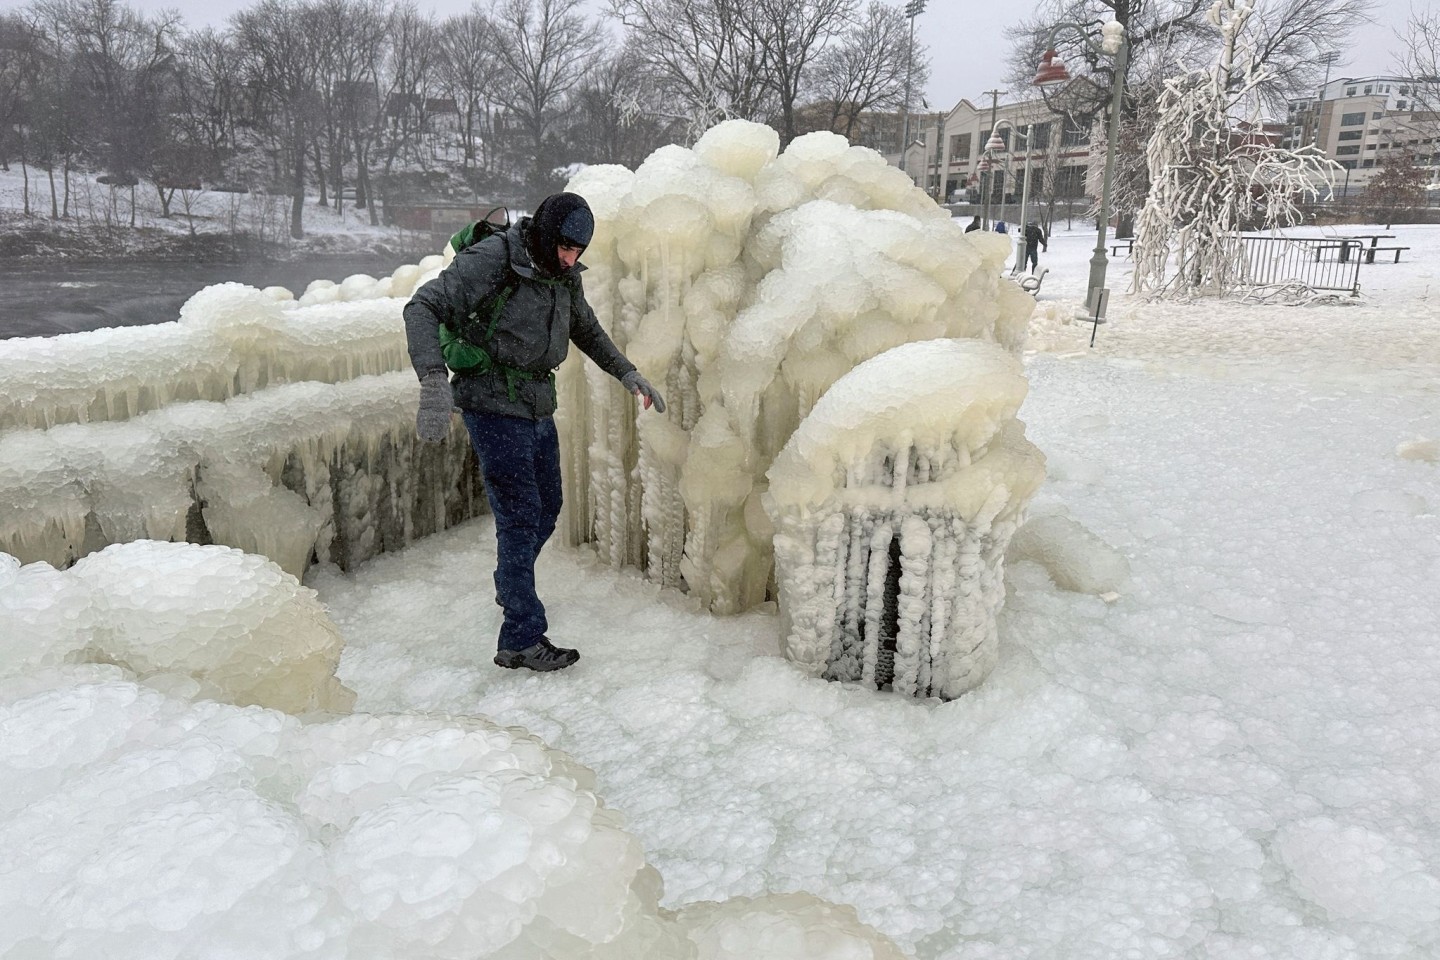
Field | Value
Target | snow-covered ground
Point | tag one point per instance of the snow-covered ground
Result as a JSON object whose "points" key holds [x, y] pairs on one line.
{"points": [[1235, 758]]}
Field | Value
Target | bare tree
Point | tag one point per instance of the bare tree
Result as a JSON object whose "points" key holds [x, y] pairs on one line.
{"points": [[1419, 60], [701, 56], [403, 109], [547, 48], [354, 41], [616, 116], [866, 70], [276, 39], [469, 71], [792, 34]]}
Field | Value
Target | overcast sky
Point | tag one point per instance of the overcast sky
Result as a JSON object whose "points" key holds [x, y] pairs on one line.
{"points": [[966, 40]]}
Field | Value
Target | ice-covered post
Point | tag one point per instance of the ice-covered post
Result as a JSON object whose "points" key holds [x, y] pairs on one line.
{"points": [[893, 503], [1052, 72]]}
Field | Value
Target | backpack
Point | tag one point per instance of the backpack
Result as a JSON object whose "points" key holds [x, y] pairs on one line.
{"points": [[463, 345], [482, 229]]}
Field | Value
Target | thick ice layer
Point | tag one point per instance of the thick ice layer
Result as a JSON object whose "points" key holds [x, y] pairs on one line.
{"points": [[229, 339], [136, 825], [744, 283], [893, 504], [306, 469]]}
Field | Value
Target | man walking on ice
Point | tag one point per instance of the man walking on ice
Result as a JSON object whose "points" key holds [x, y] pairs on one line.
{"points": [[506, 310]]}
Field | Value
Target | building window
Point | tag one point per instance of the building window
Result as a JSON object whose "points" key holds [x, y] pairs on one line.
{"points": [[1367, 163], [1369, 90], [1351, 134], [1348, 164], [1400, 105], [1040, 136], [1377, 115], [1070, 182], [1074, 133], [1404, 91], [1351, 119], [1349, 91], [1369, 146], [1346, 151], [960, 146]]}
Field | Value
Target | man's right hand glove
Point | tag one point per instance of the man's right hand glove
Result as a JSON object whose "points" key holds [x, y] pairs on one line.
{"points": [[432, 423], [639, 386]]}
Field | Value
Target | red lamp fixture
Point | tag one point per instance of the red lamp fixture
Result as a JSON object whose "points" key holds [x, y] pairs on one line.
{"points": [[1052, 70]]}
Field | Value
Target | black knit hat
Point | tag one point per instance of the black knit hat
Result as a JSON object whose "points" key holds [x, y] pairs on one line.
{"points": [[560, 218]]}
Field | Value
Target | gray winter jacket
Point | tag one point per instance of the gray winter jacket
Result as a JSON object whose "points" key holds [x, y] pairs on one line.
{"points": [[536, 326]]}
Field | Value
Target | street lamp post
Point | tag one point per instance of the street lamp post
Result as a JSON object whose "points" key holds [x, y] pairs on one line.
{"points": [[995, 143], [989, 187], [913, 9], [1115, 46]]}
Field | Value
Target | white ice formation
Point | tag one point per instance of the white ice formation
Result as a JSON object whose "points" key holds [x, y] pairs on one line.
{"points": [[893, 504], [201, 620], [744, 282], [1075, 558], [139, 823]]}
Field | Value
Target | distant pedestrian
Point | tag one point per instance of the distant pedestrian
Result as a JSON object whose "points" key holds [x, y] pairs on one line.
{"points": [[974, 224], [1000, 227], [1034, 236]]}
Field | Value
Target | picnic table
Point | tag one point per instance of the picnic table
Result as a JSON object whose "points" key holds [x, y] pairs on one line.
{"points": [[1356, 242], [1374, 239]]}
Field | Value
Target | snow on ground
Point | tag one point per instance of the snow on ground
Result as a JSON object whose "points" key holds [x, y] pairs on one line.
{"points": [[1234, 758]]}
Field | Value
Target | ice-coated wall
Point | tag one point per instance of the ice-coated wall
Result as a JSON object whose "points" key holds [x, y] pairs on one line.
{"points": [[744, 283], [139, 822], [277, 425], [893, 504], [230, 339], [304, 470]]}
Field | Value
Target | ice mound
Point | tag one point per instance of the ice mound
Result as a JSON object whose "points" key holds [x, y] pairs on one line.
{"points": [[744, 282], [1075, 558], [791, 925], [1419, 449], [200, 620], [136, 825], [893, 504]]}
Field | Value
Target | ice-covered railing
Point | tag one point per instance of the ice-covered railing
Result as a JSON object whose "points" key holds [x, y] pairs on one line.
{"points": [[330, 472], [893, 504], [746, 282], [230, 339]]}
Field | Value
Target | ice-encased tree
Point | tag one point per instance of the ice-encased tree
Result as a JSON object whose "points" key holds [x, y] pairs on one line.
{"points": [[1214, 171]]}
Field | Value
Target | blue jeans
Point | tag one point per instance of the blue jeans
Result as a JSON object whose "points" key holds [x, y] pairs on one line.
{"points": [[520, 462]]}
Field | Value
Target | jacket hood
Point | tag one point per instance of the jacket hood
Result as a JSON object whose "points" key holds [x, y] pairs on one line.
{"points": [[560, 218]]}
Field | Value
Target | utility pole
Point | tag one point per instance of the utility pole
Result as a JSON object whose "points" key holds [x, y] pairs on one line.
{"points": [[1328, 58], [987, 183], [913, 9]]}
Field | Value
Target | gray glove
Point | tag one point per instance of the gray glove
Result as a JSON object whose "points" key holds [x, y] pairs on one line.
{"points": [[432, 423], [639, 386]]}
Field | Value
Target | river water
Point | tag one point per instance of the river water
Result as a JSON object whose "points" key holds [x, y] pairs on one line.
{"points": [[41, 300]]}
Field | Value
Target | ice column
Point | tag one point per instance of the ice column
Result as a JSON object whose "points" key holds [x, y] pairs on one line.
{"points": [[893, 503]]}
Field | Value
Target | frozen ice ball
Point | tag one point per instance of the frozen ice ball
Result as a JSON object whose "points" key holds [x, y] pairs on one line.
{"points": [[228, 618]]}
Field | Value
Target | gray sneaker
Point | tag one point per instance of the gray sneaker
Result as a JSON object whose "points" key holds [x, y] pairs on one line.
{"points": [[541, 655]]}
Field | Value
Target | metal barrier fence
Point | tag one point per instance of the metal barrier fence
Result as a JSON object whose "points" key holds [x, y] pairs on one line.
{"points": [[1310, 262]]}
